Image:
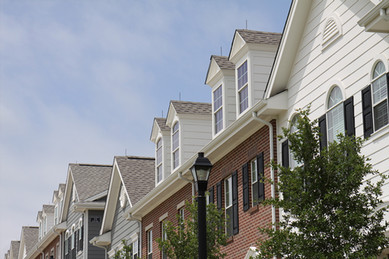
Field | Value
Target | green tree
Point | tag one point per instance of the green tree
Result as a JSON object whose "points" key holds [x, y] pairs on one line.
{"points": [[331, 200], [181, 241], [125, 252]]}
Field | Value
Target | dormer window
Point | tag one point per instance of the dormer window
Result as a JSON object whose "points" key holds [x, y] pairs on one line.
{"points": [[243, 91], [218, 109], [159, 160], [176, 144]]}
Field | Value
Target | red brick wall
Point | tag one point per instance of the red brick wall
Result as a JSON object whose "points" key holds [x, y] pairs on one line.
{"points": [[47, 249], [259, 215], [169, 206], [249, 221]]}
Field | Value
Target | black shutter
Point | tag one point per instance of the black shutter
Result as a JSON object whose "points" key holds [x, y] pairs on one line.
{"points": [[349, 123], [76, 243], [212, 194], [219, 195], [285, 153], [82, 238], [235, 216], [261, 173], [323, 132], [245, 180], [367, 112]]}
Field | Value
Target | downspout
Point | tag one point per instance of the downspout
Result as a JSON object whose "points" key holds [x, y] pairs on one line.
{"points": [[273, 209], [60, 241], [189, 181]]}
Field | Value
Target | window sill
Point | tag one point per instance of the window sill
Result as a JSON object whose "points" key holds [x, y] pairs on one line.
{"points": [[230, 240], [378, 134], [253, 209]]}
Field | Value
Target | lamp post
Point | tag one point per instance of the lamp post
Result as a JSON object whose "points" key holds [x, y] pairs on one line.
{"points": [[200, 172]]}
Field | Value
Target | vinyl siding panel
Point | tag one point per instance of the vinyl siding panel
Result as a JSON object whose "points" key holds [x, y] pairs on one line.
{"points": [[93, 231], [229, 101]]}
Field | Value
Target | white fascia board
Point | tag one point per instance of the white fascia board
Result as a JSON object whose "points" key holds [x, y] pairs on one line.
{"points": [[171, 115], [68, 186], [83, 206], [373, 15], [235, 49], [112, 196], [102, 240], [287, 50], [213, 71]]}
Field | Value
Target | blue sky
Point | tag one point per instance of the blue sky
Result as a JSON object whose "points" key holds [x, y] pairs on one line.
{"points": [[81, 81]]}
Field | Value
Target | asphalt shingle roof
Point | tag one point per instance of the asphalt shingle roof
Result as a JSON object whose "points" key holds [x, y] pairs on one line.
{"points": [[90, 179], [182, 107], [30, 235], [15, 247], [162, 123], [260, 37], [48, 208], [138, 175], [223, 62]]}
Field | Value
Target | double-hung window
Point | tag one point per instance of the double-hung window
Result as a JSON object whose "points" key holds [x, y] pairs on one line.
{"points": [[254, 181], [375, 101], [176, 144], [159, 160], [335, 116], [164, 238], [218, 108], [135, 249], [181, 218], [228, 205], [243, 89], [149, 235]]}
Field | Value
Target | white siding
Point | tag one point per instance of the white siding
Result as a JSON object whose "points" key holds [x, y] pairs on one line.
{"points": [[348, 60]]}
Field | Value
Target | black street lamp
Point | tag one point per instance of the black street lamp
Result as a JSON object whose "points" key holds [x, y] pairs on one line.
{"points": [[200, 171]]}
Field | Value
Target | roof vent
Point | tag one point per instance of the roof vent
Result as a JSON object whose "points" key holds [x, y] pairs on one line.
{"points": [[331, 31]]}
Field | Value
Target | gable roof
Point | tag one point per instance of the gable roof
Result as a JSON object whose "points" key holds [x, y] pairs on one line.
{"points": [[137, 174], [159, 124], [293, 30], [162, 123], [90, 179], [48, 209], [223, 62], [183, 107], [260, 37], [216, 64], [29, 237], [15, 245]]}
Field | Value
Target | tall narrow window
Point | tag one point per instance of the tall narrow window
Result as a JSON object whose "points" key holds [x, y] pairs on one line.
{"points": [[164, 238], [243, 91], [218, 108], [149, 244], [380, 96], [228, 200], [159, 160], [254, 181], [293, 128], [181, 218], [176, 144], [335, 116], [135, 249]]}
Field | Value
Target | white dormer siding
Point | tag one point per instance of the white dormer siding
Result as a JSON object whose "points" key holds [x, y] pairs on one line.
{"points": [[161, 137], [221, 78], [253, 54], [193, 131]]}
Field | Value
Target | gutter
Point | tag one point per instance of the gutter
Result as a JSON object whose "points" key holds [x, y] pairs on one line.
{"points": [[189, 181], [271, 142]]}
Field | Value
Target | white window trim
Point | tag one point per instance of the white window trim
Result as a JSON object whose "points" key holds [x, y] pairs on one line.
{"points": [[122, 197], [149, 226], [177, 149], [149, 245], [251, 178], [239, 112], [218, 109], [161, 163], [228, 181], [163, 217], [372, 80], [181, 204], [335, 84]]}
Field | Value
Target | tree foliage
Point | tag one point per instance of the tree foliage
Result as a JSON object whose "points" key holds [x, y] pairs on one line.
{"points": [[125, 252], [181, 241], [331, 200]]}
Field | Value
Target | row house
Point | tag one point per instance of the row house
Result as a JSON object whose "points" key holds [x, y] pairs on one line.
{"points": [[82, 209], [237, 132], [28, 239], [13, 252], [334, 56], [131, 179]]}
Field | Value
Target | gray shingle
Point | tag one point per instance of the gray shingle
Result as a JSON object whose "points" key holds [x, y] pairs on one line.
{"points": [[223, 62], [138, 175], [15, 247], [90, 179], [182, 107], [260, 37], [162, 123], [30, 236]]}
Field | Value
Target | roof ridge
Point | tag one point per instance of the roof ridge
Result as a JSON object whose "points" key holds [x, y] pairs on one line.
{"points": [[86, 164], [176, 101], [137, 157], [259, 31]]}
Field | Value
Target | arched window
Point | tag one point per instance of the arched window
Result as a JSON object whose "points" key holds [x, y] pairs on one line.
{"points": [[380, 95], [176, 144], [293, 128], [335, 116], [159, 160]]}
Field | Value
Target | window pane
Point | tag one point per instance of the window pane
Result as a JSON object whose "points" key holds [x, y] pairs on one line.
{"points": [[217, 98], [176, 158], [219, 120], [381, 115], [159, 152], [228, 192], [242, 75], [380, 89], [159, 173], [335, 97], [176, 141], [335, 122], [254, 174], [379, 69], [243, 99]]}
